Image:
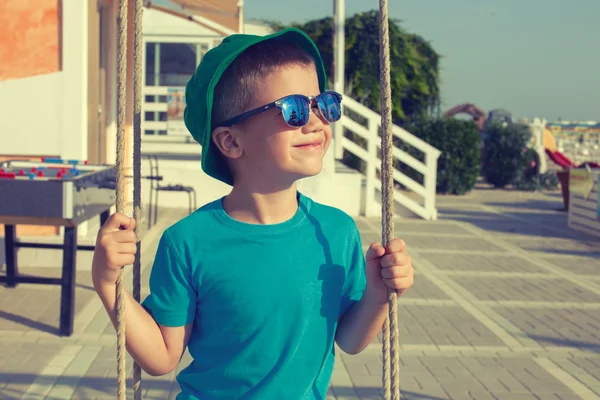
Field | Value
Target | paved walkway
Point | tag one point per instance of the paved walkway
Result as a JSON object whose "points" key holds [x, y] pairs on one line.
{"points": [[506, 305]]}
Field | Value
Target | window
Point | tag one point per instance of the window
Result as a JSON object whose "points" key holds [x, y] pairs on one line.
{"points": [[168, 68], [171, 64]]}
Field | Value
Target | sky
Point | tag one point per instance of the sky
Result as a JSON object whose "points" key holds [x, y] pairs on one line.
{"points": [[534, 58]]}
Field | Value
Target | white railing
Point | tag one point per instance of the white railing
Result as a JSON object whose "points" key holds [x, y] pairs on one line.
{"points": [[174, 128], [426, 209]]}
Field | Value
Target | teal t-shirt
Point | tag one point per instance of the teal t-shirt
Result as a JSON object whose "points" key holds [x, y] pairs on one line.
{"points": [[264, 299]]}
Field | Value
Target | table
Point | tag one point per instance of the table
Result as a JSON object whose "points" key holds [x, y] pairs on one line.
{"points": [[53, 192]]}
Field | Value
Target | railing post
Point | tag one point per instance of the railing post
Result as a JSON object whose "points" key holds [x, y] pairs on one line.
{"points": [[339, 55], [371, 168], [338, 134], [429, 181]]}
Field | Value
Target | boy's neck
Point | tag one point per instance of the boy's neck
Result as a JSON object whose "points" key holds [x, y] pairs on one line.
{"points": [[261, 208]]}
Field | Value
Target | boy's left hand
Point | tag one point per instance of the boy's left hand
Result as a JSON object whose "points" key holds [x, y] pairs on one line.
{"points": [[388, 267]]}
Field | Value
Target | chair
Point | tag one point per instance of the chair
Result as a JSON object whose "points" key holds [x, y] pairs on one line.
{"points": [[155, 186]]}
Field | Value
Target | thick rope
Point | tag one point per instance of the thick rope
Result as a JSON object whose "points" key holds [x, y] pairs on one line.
{"points": [[391, 361], [137, 174], [120, 187]]}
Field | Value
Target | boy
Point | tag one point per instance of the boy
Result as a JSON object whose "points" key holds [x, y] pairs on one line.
{"points": [[257, 285]]}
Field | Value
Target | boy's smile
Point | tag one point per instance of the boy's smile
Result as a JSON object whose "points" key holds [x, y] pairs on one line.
{"points": [[308, 143]]}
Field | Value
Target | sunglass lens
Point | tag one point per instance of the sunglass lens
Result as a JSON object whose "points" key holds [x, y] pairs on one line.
{"points": [[330, 107], [295, 111]]}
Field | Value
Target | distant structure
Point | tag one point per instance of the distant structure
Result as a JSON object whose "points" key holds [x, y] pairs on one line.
{"points": [[574, 126]]}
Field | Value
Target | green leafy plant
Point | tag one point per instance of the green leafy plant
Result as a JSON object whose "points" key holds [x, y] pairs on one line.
{"points": [[459, 141], [528, 177], [505, 152]]}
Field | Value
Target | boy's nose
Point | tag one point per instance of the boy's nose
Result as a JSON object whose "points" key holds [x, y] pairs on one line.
{"points": [[315, 122]]}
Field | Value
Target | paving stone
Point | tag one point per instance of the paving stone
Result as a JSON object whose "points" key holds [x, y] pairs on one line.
{"points": [[532, 376], [21, 367], [405, 227], [515, 230], [429, 392], [457, 391], [549, 246], [589, 365], [515, 396], [29, 307], [449, 243], [415, 380], [519, 375], [560, 396], [441, 326], [7, 351], [584, 370], [502, 289], [424, 288], [558, 327], [576, 265], [476, 262]]}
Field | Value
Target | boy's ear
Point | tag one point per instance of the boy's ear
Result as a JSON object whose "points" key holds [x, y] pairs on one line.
{"points": [[226, 140]]}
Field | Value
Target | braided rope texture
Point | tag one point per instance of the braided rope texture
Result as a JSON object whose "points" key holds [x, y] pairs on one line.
{"points": [[391, 364], [137, 173], [120, 187]]}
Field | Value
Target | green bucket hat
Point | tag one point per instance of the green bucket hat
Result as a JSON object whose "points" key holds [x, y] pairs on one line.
{"points": [[200, 90]]}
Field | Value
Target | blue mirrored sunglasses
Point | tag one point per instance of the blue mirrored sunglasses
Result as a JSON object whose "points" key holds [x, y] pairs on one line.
{"points": [[295, 109]]}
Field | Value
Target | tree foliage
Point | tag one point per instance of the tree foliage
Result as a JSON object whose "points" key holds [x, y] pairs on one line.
{"points": [[414, 64]]}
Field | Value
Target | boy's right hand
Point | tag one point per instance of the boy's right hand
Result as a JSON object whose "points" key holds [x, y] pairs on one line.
{"points": [[115, 248]]}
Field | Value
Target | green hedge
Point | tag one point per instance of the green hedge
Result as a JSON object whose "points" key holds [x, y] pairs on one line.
{"points": [[506, 154], [508, 161], [460, 143]]}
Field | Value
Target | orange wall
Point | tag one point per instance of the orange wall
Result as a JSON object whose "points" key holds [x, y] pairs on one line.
{"points": [[31, 38]]}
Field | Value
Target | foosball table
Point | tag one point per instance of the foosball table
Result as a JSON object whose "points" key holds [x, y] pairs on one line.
{"points": [[54, 192]]}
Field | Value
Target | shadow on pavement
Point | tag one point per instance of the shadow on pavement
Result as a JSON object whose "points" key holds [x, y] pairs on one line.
{"points": [[40, 326], [154, 388], [563, 342]]}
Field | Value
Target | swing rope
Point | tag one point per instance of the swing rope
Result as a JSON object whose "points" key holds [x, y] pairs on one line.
{"points": [[120, 187], [391, 361], [137, 173], [120, 175], [391, 379]]}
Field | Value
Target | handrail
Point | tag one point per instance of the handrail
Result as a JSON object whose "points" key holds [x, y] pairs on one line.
{"points": [[370, 134], [396, 130]]}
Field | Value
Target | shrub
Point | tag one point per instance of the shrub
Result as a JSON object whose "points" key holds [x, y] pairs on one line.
{"points": [[505, 155], [528, 176], [526, 171], [459, 164]]}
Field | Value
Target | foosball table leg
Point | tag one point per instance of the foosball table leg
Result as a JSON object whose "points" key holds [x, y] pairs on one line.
{"points": [[104, 217], [12, 268], [67, 297]]}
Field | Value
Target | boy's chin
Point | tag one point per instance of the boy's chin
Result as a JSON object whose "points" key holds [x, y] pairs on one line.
{"points": [[311, 170]]}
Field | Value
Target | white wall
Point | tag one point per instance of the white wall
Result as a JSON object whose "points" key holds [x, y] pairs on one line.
{"points": [[256, 28], [47, 114], [30, 115]]}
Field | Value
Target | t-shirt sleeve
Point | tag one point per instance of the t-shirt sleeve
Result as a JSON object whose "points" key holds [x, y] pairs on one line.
{"points": [[355, 284], [173, 297]]}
